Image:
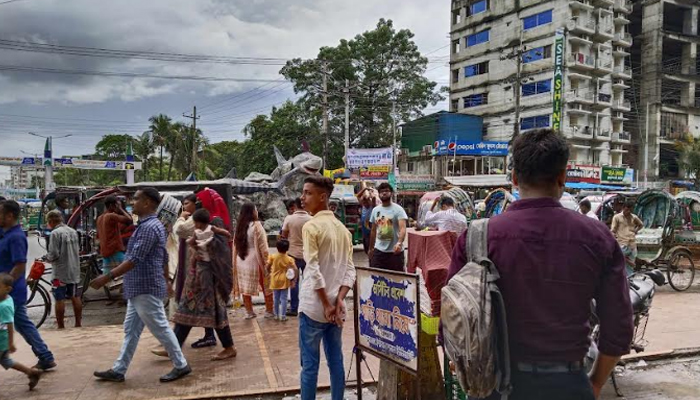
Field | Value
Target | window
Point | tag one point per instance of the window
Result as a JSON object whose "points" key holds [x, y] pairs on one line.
{"points": [[477, 7], [456, 17], [455, 75], [455, 46], [476, 100], [538, 53], [455, 105], [539, 87], [476, 69], [536, 20], [539, 121], [478, 38]]}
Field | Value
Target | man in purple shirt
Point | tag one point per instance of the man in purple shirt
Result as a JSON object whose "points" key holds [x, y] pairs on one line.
{"points": [[552, 263]]}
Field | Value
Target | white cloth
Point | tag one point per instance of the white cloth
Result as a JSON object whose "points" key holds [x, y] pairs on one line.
{"points": [[447, 220], [592, 215], [329, 264], [203, 239]]}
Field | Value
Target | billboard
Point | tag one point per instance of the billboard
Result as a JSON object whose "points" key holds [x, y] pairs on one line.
{"points": [[583, 173], [468, 148], [558, 81], [358, 158], [619, 175]]}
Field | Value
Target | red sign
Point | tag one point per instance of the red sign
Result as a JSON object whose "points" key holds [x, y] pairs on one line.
{"points": [[582, 173], [375, 172], [451, 146]]}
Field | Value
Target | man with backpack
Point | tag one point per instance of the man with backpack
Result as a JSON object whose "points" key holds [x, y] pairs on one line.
{"points": [[550, 263]]}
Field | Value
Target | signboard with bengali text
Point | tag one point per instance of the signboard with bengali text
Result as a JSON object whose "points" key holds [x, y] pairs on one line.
{"points": [[620, 175], [378, 172], [388, 316], [583, 173], [358, 158]]}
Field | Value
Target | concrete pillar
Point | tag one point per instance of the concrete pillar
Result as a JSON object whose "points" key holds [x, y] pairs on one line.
{"points": [[690, 21], [652, 48]]}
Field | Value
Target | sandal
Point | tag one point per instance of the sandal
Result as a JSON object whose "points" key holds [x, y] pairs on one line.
{"points": [[219, 357], [251, 316], [204, 342]]}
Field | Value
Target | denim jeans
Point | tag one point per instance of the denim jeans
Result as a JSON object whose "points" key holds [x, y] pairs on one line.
{"points": [[539, 386], [147, 310], [280, 309], [301, 264], [310, 335], [25, 327]]}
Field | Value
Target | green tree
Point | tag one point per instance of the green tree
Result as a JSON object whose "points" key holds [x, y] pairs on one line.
{"points": [[385, 68], [689, 158], [143, 149], [162, 133], [112, 147]]}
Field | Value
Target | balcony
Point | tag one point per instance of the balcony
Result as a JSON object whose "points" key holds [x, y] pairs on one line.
{"points": [[579, 109], [582, 24], [624, 6], [602, 134], [623, 39], [621, 19], [604, 65], [582, 5], [584, 96], [620, 84], [621, 137], [622, 105], [579, 132], [622, 71], [580, 61], [605, 28], [618, 116], [603, 100], [604, 3], [620, 51]]}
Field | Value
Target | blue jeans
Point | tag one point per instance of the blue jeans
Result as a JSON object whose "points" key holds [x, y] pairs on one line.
{"points": [[147, 310], [25, 327], [280, 309], [310, 334], [301, 264]]}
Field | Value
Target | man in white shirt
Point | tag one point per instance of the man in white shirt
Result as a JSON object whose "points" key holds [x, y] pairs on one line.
{"points": [[585, 208], [291, 230], [329, 275], [447, 219]]}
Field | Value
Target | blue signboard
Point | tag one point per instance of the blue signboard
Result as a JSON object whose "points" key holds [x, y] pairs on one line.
{"points": [[388, 315], [465, 148], [28, 161]]}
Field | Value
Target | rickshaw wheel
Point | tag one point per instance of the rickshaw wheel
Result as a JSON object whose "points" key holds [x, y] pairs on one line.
{"points": [[681, 271]]}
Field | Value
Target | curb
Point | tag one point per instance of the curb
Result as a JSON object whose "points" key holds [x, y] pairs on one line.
{"points": [[663, 355]]}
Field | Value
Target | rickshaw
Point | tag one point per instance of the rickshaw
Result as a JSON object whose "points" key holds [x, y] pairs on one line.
{"points": [[463, 203], [662, 243], [497, 202], [612, 204], [348, 210]]}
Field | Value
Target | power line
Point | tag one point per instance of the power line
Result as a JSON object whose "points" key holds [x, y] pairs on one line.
{"points": [[8, 2]]}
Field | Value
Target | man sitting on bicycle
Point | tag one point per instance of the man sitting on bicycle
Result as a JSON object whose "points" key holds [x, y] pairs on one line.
{"points": [[64, 255]]}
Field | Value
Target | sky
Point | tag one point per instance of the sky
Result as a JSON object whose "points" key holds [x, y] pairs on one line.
{"points": [[88, 106]]}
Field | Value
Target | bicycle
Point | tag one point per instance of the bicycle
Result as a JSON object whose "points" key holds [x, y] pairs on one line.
{"points": [[39, 302]]}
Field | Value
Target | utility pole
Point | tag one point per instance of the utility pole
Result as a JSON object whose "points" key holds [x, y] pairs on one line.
{"points": [[393, 133], [517, 88], [194, 118], [346, 90], [324, 73]]}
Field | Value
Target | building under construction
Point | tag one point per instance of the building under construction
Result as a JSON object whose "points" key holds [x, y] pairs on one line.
{"points": [[666, 101]]}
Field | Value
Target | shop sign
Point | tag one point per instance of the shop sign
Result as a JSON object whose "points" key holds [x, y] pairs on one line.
{"points": [[20, 161], [617, 175], [379, 172], [558, 80], [388, 315], [424, 183], [583, 173], [358, 158], [465, 148], [96, 164]]}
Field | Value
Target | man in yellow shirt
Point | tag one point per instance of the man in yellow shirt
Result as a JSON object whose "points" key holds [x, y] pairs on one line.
{"points": [[625, 226]]}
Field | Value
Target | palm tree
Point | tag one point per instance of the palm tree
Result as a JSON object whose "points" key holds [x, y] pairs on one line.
{"points": [[143, 148], [161, 129], [176, 145]]}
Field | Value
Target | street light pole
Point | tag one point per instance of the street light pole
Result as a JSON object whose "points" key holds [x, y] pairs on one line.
{"points": [[646, 148]]}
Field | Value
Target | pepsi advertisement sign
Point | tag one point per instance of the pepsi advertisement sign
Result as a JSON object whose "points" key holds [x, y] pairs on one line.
{"points": [[467, 148]]}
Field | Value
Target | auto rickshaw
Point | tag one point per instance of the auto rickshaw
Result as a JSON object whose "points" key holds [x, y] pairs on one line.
{"points": [[349, 211]]}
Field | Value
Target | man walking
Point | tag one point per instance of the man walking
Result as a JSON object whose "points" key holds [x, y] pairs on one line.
{"points": [[110, 234], [625, 226], [388, 232], [330, 273], [552, 263], [64, 256], [447, 219], [13, 260], [291, 230], [146, 285]]}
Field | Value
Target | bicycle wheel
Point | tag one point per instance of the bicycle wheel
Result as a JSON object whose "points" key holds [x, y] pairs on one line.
{"points": [[38, 305], [681, 271]]}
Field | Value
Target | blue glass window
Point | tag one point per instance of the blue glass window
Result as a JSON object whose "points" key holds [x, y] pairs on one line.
{"points": [[536, 20], [536, 54], [539, 87], [539, 121], [476, 69], [478, 38], [478, 7], [476, 100]]}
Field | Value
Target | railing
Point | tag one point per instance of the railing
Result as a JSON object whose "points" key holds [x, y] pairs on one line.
{"points": [[604, 98], [623, 5], [580, 59], [623, 37], [623, 104], [580, 130], [580, 95], [622, 136], [603, 63], [584, 22], [623, 70], [602, 133]]}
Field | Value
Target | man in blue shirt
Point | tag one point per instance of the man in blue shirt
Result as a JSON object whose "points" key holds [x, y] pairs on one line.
{"points": [[13, 260], [146, 285]]}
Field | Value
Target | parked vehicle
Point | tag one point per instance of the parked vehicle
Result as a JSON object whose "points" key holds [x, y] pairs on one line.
{"points": [[348, 210]]}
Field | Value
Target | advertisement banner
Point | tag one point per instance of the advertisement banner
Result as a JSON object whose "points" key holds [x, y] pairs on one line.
{"points": [[96, 164], [558, 80], [582, 173], [21, 162], [620, 175], [358, 158], [424, 183], [378, 172], [388, 315], [465, 148]]}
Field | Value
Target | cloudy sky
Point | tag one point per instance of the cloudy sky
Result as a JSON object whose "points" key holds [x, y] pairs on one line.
{"points": [[90, 106]]}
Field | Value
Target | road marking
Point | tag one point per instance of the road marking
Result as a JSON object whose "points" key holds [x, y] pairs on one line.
{"points": [[265, 356]]}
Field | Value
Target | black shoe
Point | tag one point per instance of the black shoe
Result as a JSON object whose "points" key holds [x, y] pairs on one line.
{"points": [[292, 314], [204, 342], [109, 375], [45, 366], [176, 374]]}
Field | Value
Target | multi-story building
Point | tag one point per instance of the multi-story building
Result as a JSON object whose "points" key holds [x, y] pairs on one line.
{"points": [[665, 56], [503, 62], [23, 177]]}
